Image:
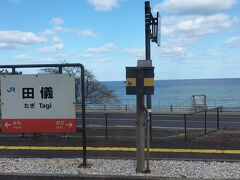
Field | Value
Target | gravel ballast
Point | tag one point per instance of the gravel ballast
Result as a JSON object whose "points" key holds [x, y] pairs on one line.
{"points": [[159, 168]]}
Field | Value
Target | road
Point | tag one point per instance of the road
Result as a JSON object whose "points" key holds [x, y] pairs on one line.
{"points": [[170, 121]]}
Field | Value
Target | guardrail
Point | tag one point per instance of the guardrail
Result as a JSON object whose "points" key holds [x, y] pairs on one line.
{"points": [[169, 104], [156, 109], [132, 108]]}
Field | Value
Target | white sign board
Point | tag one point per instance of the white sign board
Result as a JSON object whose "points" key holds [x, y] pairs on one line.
{"points": [[38, 97], [200, 100]]}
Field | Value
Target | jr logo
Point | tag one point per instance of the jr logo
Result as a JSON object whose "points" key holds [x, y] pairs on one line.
{"points": [[11, 89]]}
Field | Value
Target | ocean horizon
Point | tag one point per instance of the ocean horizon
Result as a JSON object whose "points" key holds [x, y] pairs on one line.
{"points": [[179, 92]]}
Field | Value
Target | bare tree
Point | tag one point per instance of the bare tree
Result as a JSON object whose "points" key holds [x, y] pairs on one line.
{"points": [[5, 72], [95, 91]]}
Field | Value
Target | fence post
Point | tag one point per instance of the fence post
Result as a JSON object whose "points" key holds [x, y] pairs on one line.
{"points": [[126, 107], [185, 127], [205, 122], [218, 118], [106, 126]]}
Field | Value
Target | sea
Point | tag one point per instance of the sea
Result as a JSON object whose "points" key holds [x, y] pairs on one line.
{"points": [[179, 93]]}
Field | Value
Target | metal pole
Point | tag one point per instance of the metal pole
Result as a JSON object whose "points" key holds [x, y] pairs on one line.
{"points": [[148, 30], [84, 138], [217, 118], [14, 70], [148, 50], [150, 128], [140, 134], [205, 122], [148, 42], [106, 127], [148, 145], [185, 127], [60, 70]]}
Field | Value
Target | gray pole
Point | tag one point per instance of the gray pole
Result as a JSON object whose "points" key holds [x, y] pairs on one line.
{"points": [[140, 135], [84, 136], [148, 44], [147, 29], [148, 58], [148, 145]]}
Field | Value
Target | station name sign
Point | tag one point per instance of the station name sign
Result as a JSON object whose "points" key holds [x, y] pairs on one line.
{"points": [[38, 103]]}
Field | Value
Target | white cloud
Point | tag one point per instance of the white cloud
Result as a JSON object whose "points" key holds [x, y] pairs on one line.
{"points": [[173, 52], [169, 53], [232, 42], [90, 58], [190, 28], [195, 7], [97, 54], [196, 25], [100, 60], [4, 45], [215, 53], [57, 27], [192, 20], [56, 40], [23, 57], [236, 19], [136, 52], [30, 59], [86, 33], [55, 30], [106, 48], [85, 56], [57, 21], [104, 5], [18, 39], [55, 47]]}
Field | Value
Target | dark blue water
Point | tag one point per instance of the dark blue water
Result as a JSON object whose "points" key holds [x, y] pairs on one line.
{"points": [[219, 92]]}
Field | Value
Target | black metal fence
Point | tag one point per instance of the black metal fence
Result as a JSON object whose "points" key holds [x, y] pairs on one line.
{"points": [[184, 126], [172, 126]]}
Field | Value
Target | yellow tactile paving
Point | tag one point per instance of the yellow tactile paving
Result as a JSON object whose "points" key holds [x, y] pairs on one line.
{"points": [[124, 149]]}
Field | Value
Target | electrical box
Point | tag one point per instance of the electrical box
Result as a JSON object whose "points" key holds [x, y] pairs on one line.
{"points": [[139, 80]]}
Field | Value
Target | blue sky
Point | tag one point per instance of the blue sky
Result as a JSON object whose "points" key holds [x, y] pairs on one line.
{"points": [[199, 39]]}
